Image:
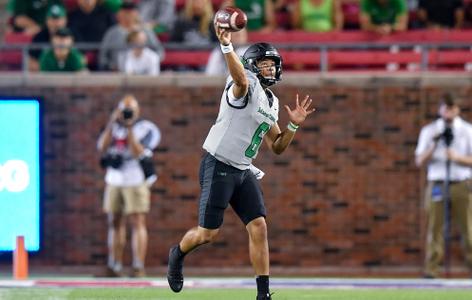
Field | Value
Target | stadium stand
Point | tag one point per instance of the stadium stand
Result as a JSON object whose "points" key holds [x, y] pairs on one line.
{"points": [[340, 50]]}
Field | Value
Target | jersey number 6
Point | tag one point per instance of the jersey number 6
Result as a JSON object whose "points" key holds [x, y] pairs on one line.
{"points": [[251, 151]]}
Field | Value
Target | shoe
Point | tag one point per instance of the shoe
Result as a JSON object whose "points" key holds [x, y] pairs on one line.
{"points": [[428, 276], [138, 273], [264, 297], [175, 278], [110, 272]]}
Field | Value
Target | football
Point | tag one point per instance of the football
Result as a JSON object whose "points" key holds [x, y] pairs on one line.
{"points": [[230, 18]]}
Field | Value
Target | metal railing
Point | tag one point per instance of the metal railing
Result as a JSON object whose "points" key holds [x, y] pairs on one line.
{"points": [[423, 49]]}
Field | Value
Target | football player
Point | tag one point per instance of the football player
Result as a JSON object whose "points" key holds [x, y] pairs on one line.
{"points": [[248, 115]]}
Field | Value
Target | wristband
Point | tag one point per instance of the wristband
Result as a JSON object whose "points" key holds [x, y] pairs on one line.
{"points": [[292, 127], [226, 48]]}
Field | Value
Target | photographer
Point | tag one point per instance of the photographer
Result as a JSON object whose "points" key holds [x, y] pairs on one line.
{"points": [[445, 147], [126, 147]]}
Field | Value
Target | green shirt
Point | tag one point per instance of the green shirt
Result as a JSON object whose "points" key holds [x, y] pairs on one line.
{"points": [[112, 5], [317, 18], [35, 9], [74, 62], [255, 12], [384, 14]]}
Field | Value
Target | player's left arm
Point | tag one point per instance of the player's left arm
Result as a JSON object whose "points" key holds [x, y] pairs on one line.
{"points": [[278, 140]]}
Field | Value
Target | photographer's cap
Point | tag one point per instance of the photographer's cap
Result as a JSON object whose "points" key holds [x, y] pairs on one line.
{"points": [[56, 11]]}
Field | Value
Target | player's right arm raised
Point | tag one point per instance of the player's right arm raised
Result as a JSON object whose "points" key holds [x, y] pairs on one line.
{"points": [[235, 67]]}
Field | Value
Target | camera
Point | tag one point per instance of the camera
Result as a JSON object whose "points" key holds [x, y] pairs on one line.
{"points": [[111, 160], [127, 113], [447, 135]]}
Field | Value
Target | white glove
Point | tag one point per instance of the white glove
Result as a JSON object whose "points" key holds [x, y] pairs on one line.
{"points": [[256, 171]]}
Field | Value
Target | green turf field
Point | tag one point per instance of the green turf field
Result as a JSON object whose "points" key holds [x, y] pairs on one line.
{"points": [[229, 294]]}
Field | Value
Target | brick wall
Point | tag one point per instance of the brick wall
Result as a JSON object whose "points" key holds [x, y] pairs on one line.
{"points": [[346, 193]]}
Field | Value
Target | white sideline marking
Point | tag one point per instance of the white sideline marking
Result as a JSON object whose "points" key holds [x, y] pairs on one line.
{"points": [[279, 283]]}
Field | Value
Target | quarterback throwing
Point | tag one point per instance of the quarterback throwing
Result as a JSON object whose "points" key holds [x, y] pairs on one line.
{"points": [[248, 115]]}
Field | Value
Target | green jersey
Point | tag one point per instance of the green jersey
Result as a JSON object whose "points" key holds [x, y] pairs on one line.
{"points": [[384, 13], [317, 18], [49, 63], [255, 13]]}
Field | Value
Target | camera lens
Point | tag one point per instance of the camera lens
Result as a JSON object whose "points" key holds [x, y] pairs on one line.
{"points": [[127, 113]]}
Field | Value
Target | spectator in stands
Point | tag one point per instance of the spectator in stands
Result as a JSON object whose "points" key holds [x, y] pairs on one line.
{"points": [[317, 15], [384, 16], [159, 15], [195, 25], [62, 57], [114, 40], [441, 13], [216, 62], [126, 147], [139, 59], [29, 15], [260, 13], [55, 19], [90, 21]]}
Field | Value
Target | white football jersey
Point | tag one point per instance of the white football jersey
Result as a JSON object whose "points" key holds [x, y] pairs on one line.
{"points": [[238, 133]]}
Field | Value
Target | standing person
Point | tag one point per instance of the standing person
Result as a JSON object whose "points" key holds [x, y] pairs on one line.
{"points": [[126, 146], [194, 26], [260, 14], [317, 15], [248, 114], [89, 21], [384, 16], [432, 151], [438, 14]]}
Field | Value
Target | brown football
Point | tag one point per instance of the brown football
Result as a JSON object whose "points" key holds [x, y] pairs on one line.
{"points": [[230, 18]]}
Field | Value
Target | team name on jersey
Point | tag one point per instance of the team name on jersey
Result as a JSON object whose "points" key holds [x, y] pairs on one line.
{"points": [[266, 114]]}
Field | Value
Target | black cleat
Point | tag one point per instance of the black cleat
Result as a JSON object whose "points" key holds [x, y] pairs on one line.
{"points": [[264, 297], [174, 270]]}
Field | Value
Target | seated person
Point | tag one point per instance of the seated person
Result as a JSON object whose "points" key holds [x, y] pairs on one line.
{"points": [[159, 15], [216, 64], [317, 15], [114, 40], [195, 25], [90, 21], [139, 59], [62, 57], [384, 16], [55, 19], [441, 13], [29, 15], [260, 13]]}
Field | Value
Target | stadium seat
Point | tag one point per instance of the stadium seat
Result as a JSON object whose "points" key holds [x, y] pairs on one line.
{"points": [[12, 59], [357, 36], [178, 58]]}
